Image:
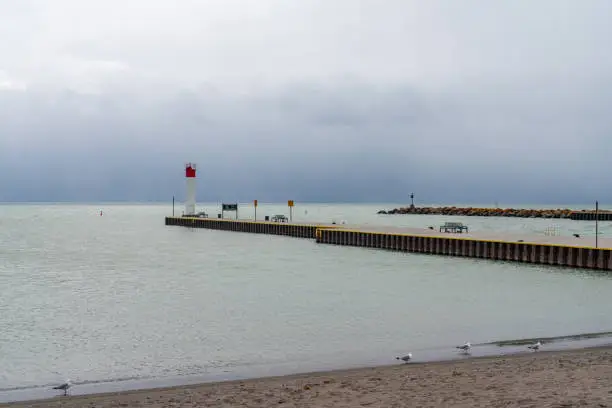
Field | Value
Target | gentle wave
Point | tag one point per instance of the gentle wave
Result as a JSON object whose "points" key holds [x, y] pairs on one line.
{"points": [[575, 337]]}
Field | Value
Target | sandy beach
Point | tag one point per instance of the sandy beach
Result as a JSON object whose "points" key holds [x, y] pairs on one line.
{"points": [[539, 379]]}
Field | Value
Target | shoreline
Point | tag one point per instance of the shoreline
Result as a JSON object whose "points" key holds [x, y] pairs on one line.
{"points": [[574, 376]]}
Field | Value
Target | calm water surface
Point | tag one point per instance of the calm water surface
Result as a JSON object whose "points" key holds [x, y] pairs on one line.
{"points": [[120, 296]]}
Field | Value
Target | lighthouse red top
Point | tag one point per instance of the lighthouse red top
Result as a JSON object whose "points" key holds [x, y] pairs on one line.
{"points": [[190, 170]]}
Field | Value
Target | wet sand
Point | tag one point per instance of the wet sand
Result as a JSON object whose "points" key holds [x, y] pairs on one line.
{"points": [[539, 379]]}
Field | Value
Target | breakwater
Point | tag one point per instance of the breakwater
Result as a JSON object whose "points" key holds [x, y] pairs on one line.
{"points": [[547, 250], [255, 227], [586, 215], [560, 253], [591, 215]]}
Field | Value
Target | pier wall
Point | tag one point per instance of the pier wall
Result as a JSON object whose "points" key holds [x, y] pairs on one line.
{"points": [[527, 252], [547, 254], [591, 216], [255, 227]]}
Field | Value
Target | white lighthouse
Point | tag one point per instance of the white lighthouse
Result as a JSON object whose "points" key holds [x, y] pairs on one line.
{"points": [[190, 199]]}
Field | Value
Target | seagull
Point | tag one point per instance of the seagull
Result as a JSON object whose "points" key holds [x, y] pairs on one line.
{"points": [[466, 347], [406, 358], [65, 386], [535, 347]]}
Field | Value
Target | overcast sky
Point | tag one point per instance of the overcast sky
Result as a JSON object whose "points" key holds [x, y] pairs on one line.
{"points": [[314, 100]]}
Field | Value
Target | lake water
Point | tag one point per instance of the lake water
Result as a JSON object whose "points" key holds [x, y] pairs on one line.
{"points": [[121, 299]]}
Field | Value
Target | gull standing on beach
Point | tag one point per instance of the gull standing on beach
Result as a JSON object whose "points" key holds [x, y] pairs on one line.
{"points": [[406, 358], [466, 347], [65, 386], [535, 347]]}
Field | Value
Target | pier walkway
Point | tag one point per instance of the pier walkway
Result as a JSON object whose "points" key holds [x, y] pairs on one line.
{"points": [[582, 241]]}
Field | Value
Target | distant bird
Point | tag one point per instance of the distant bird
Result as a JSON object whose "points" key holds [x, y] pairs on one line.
{"points": [[466, 347], [406, 358], [65, 387], [576, 235], [535, 347]]}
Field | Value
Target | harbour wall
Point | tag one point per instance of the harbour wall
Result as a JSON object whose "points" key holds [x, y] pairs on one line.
{"points": [[591, 216], [582, 215], [535, 253], [503, 250], [255, 227]]}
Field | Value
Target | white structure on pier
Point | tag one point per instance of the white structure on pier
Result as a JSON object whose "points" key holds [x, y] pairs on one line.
{"points": [[190, 199]]}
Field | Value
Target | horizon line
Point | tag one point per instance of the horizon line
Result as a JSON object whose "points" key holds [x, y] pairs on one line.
{"points": [[250, 203]]}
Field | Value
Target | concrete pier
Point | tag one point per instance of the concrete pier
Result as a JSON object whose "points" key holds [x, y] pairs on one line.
{"points": [[534, 249], [591, 215], [561, 251], [255, 227]]}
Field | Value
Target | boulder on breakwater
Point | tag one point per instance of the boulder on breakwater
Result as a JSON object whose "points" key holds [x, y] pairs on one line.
{"points": [[482, 212]]}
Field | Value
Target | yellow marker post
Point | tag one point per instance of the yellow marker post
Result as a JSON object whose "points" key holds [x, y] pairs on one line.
{"points": [[290, 204]]}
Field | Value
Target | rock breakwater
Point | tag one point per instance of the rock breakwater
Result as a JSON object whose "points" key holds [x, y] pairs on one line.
{"points": [[483, 212]]}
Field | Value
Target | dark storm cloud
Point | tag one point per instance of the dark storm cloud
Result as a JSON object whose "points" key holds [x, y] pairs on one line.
{"points": [[315, 101]]}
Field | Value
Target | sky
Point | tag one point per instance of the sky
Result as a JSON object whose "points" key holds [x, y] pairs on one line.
{"points": [[346, 100]]}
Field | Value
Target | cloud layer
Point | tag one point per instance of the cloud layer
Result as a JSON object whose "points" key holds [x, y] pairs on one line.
{"points": [[317, 101]]}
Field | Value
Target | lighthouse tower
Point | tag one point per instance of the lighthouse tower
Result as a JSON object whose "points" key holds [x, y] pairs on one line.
{"points": [[190, 200]]}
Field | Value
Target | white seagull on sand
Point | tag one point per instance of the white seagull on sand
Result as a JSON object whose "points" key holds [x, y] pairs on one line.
{"points": [[466, 347], [535, 347], [65, 387], [406, 358]]}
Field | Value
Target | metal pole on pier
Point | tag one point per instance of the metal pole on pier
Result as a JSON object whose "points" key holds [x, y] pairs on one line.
{"points": [[173, 206], [596, 224]]}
